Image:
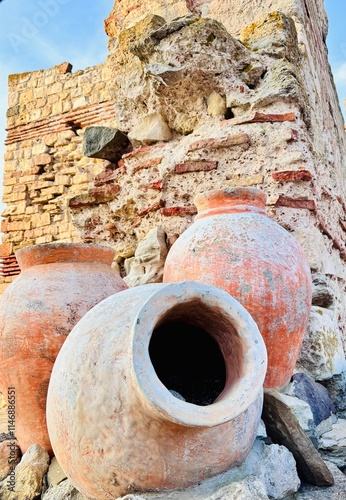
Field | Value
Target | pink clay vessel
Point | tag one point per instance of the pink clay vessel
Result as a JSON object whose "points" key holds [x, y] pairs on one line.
{"points": [[115, 410], [58, 284], [234, 245]]}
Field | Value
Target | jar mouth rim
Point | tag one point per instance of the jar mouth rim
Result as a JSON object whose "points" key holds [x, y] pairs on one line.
{"points": [[239, 195], [233, 400], [46, 253]]}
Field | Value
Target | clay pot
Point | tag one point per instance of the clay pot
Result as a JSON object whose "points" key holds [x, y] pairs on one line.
{"points": [[58, 284], [234, 245], [115, 426]]}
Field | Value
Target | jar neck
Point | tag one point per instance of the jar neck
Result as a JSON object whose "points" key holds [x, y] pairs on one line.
{"points": [[222, 318], [230, 200], [63, 252]]}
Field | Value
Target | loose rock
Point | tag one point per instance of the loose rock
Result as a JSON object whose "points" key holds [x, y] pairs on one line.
{"points": [[150, 129], [9, 455], [64, 491], [322, 354], [303, 387], [336, 492], [147, 264], [283, 427], [104, 142], [332, 444], [28, 476], [216, 105], [336, 387]]}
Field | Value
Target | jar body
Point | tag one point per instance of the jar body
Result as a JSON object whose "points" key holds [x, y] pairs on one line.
{"points": [[235, 246], [58, 284], [115, 426]]}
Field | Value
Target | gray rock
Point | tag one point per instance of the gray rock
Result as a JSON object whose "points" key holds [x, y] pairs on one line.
{"points": [[302, 411], [64, 491], [283, 428], [105, 143], [332, 444], [303, 387], [336, 387], [322, 354], [336, 492]]}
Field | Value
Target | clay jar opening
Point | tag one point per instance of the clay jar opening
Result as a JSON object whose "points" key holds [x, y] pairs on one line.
{"points": [[196, 331], [196, 352], [48, 253], [230, 200]]}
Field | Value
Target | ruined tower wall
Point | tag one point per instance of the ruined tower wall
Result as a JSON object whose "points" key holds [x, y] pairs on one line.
{"points": [[202, 110]]}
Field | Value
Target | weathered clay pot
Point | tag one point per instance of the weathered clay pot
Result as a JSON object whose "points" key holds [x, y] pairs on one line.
{"points": [[115, 426], [234, 245], [58, 284]]}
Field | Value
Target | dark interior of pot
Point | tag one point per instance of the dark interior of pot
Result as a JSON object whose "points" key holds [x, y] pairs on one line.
{"points": [[196, 352]]}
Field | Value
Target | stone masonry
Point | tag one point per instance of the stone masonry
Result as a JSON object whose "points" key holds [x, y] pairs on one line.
{"points": [[231, 93]]}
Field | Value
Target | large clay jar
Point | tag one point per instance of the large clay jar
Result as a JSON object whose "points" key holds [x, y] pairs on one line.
{"points": [[58, 284], [234, 245], [156, 387]]}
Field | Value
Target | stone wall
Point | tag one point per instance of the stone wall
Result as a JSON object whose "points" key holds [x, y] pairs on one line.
{"points": [[248, 102], [44, 165]]}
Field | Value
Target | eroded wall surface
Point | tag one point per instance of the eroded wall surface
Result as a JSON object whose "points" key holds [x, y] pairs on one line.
{"points": [[233, 93]]}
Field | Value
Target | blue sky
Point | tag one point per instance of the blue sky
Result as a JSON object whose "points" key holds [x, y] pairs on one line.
{"points": [[38, 34]]}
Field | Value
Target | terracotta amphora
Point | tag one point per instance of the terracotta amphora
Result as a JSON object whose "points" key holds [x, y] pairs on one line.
{"points": [[234, 245], [58, 284], [157, 387]]}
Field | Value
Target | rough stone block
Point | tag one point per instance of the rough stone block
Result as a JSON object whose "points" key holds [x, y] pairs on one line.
{"points": [[42, 159], [284, 429], [273, 34], [147, 264], [28, 475], [105, 143], [216, 105], [150, 129], [305, 388], [336, 387], [302, 411], [332, 444], [323, 294], [322, 354], [6, 249]]}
